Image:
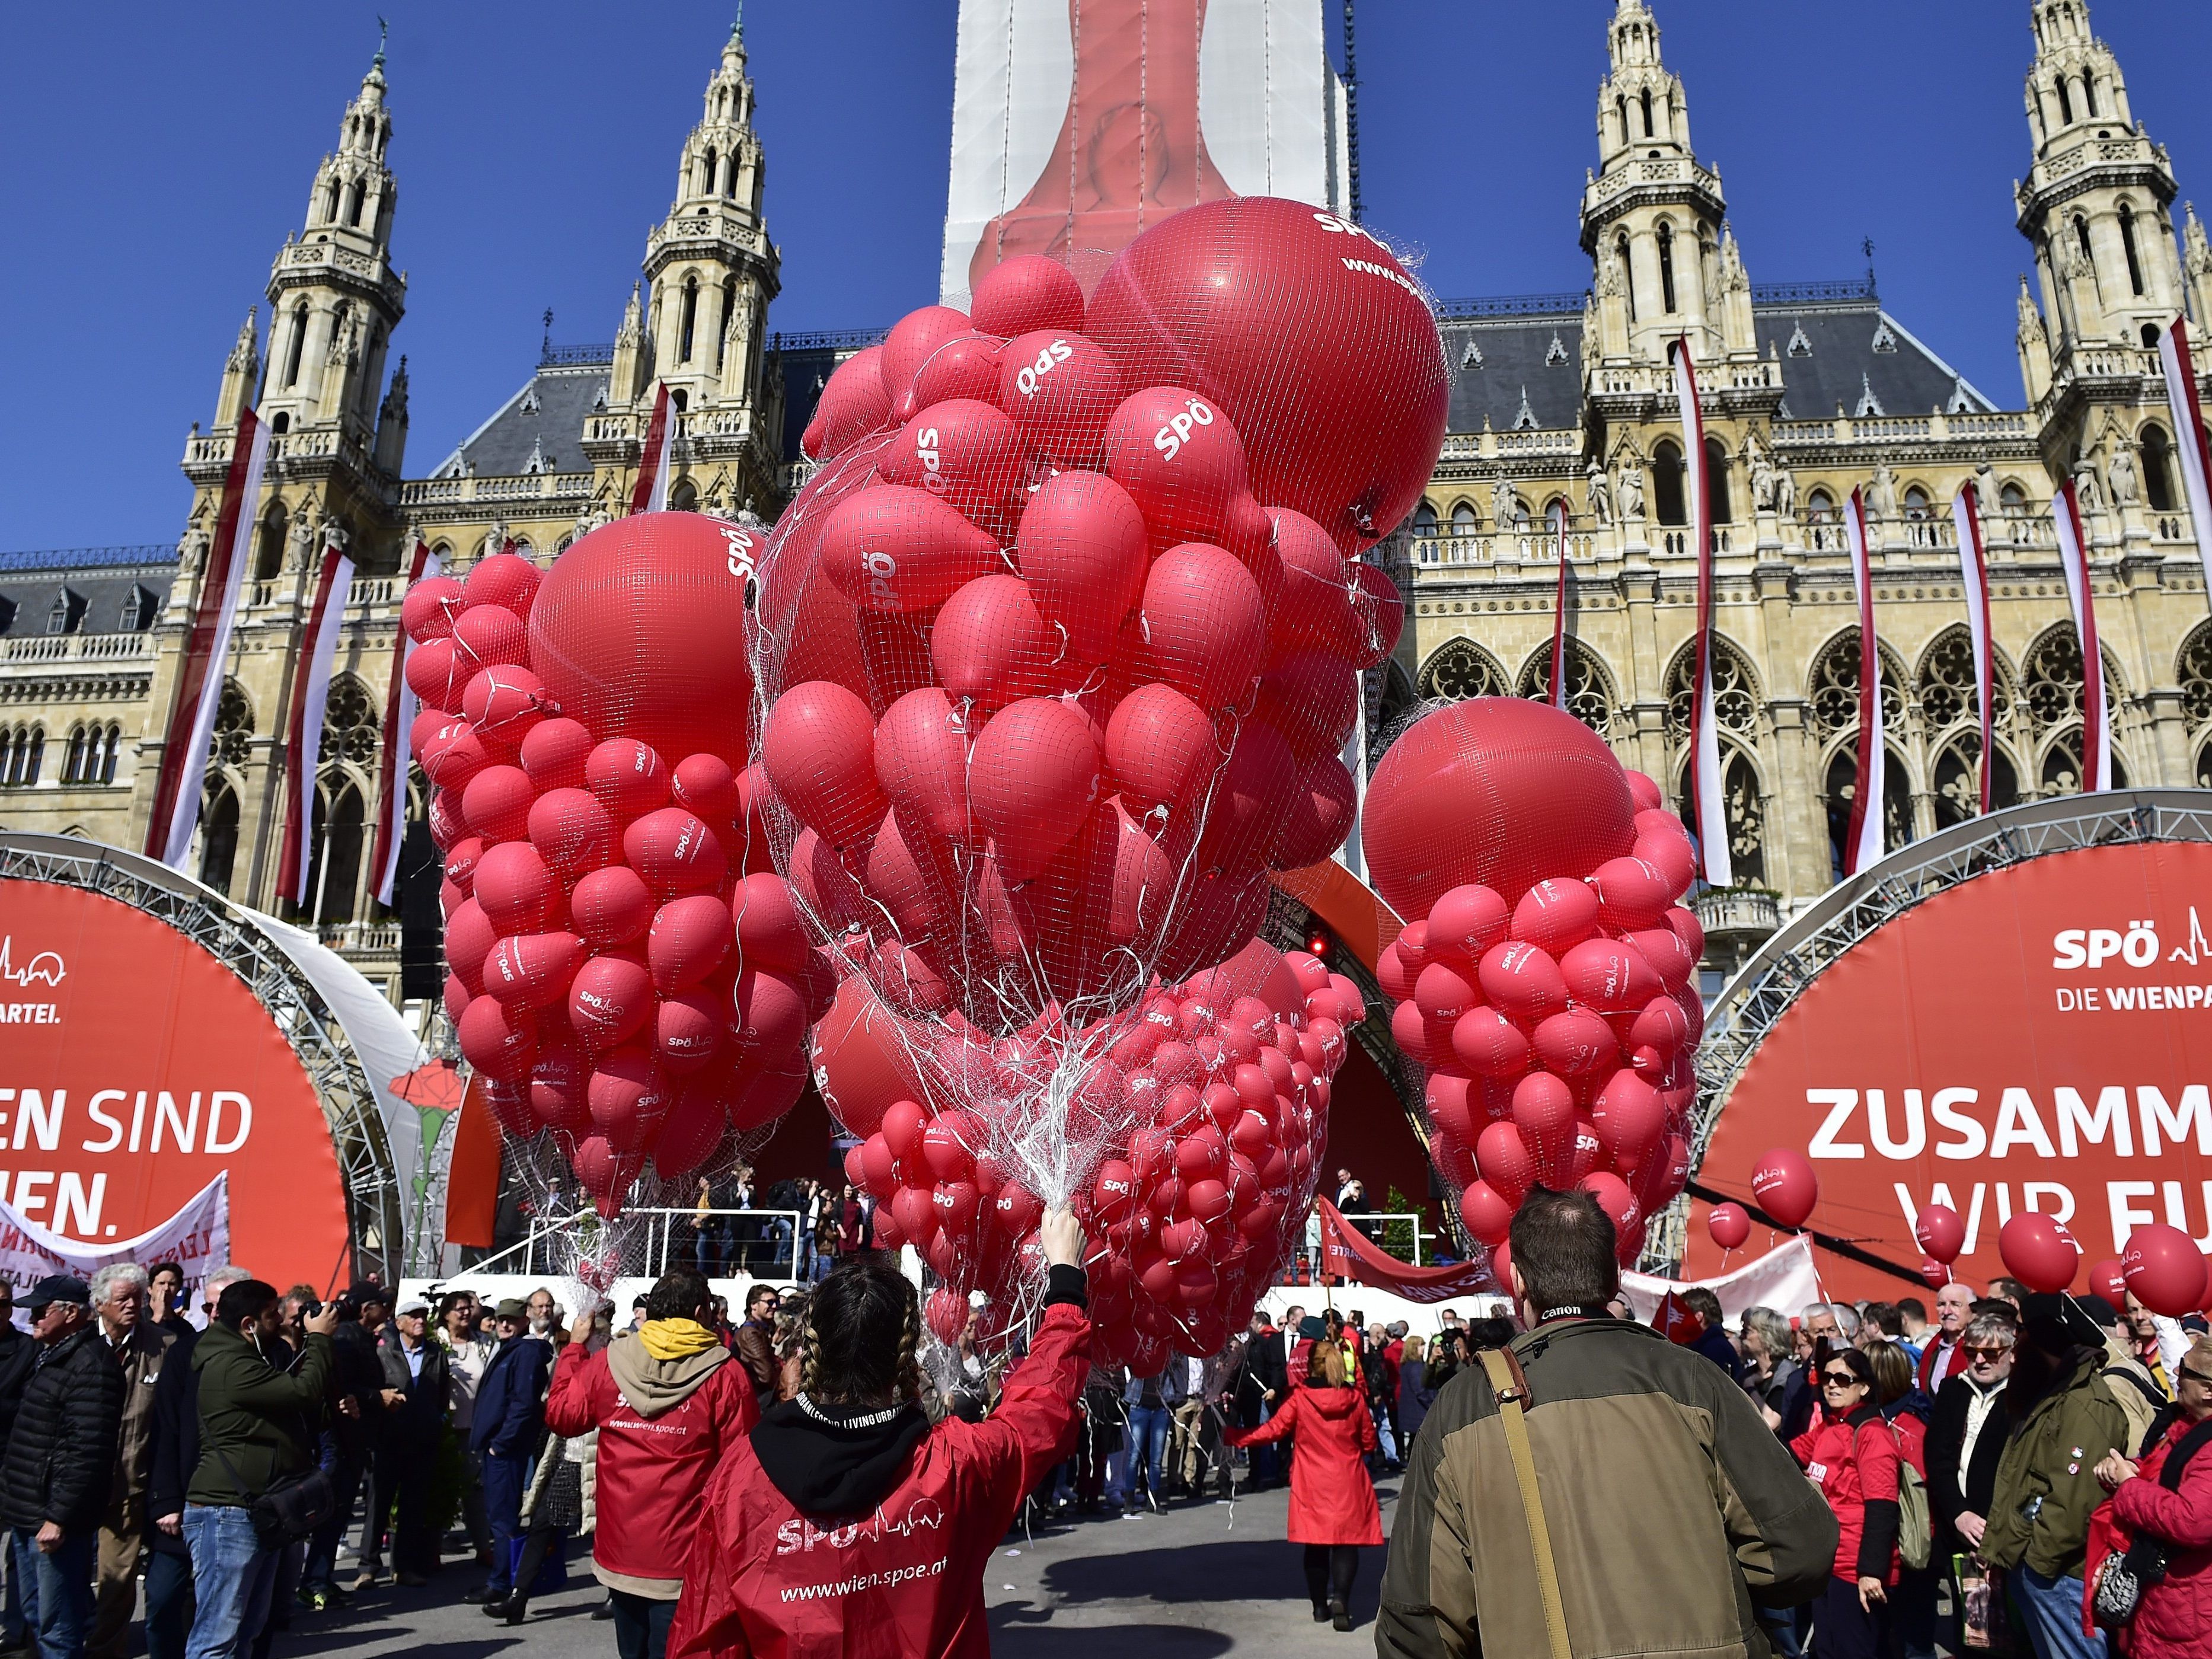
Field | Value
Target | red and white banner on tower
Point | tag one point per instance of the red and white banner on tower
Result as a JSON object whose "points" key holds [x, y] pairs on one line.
{"points": [[399, 708], [1974, 574], [303, 740], [650, 493], [1862, 846], [1559, 623], [2081, 590], [1705, 789], [2189, 438], [199, 676]]}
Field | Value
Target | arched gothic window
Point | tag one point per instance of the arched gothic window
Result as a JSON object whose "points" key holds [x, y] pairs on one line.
{"points": [[1460, 668], [1842, 785], [233, 726], [2128, 243], [331, 204], [1948, 692], [269, 544], [722, 324], [334, 863], [1959, 780], [707, 173], [1736, 692], [1666, 266], [1589, 685], [218, 836], [1627, 274], [352, 723], [2051, 689], [1716, 481], [22, 754], [299, 341], [1647, 124], [1464, 521], [2089, 97], [2157, 468], [2066, 102], [1621, 109], [689, 319], [1835, 688], [355, 194], [1744, 811]]}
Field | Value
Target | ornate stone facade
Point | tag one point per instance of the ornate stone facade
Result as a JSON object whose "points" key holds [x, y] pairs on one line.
{"points": [[1564, 403]]}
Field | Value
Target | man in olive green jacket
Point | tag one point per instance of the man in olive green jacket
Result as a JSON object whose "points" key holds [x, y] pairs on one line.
{"points": [[260, 1409], [1672, 1510], [2046, 1484]]}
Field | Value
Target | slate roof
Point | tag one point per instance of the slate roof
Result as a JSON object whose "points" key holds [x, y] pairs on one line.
{"points": [[1520, 367], [1847, 352], [544, 418], [96, 580]]}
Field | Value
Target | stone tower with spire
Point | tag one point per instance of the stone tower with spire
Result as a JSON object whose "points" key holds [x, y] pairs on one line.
{"points": [[2096, 208], [700, 327]]}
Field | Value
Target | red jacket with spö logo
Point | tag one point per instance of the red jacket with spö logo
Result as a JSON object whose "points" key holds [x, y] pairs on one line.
{"points": [[654, 1457], [904, 1580]]}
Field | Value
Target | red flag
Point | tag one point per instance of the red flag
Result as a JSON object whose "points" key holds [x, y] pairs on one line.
{"points": [[311, 695], [1974, 574], [650, 493], [2082, 590], [1676, 1321], [1863, 845], [1559, 621], [2189, 437], [1705, 786], [392, 761], [199, 677]]}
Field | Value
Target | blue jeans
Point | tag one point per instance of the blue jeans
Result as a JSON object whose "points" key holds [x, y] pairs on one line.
{"points": [[168, 1604], [2050, 1613], [233, 1573], [1148, 1439], [320, 1572], [56, 1589]]}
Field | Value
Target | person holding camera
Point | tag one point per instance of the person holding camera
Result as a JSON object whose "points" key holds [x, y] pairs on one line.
{"points": [[60, 1465], [258, 1425]]}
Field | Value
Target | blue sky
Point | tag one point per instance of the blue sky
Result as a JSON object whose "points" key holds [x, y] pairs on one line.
{"points": [[152, 158]]}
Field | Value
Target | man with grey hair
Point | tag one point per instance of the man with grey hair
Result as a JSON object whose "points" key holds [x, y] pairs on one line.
{"points": [[121, 1292]]}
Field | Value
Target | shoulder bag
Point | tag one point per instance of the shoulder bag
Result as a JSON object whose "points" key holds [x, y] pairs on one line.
{"points": [[1511, 1386], [2121, 1581]]}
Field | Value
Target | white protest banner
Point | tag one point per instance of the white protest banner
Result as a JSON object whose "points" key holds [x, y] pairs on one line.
{"points": [[196, 1238]]}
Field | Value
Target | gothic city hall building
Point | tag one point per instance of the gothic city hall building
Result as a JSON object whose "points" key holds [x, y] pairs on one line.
{"points": [[1562, 411]]}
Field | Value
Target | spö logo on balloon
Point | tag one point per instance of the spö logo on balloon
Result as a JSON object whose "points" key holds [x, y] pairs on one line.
{"points": [[926, 451], [1047, 360], [1330, 222], [1170, 438]]}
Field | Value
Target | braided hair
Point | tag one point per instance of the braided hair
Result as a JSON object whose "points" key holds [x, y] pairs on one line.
{"points": [[863, 1335]]}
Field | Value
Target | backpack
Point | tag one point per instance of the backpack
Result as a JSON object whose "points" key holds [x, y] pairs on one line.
{"points": [[1916, 1522], [2139, 1401]]}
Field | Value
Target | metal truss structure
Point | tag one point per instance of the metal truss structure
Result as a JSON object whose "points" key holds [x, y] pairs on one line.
{"points": [[374, 1203], [1777, 973]]}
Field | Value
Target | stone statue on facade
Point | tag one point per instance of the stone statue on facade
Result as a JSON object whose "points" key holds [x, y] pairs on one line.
{"points": [[2121, 475], [300, 543], [1762, 480], [1600, 496], [1882, 499], [1503, 508], [2085, 485], [1631, 488], [1785, 492], [1985, 490]]}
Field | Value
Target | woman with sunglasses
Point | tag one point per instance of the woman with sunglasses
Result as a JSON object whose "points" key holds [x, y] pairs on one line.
{"points": [[2174, 1617], [1851, 1454]]}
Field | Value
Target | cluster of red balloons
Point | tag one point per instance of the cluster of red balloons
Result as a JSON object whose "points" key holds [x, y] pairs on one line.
{"points": [[1061, 644], [625, 968], [1548, 984], [1218, 1099]]}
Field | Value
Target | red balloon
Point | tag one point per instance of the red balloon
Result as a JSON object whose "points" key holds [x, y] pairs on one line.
{"points": [[767, 1020], [426, 612], [908, 345], [1160, 749], [903, 551], [1488, 1216], [1572, 1044], [1032, 783], [1631, 893], [675, 852], [770, 931], [1544, 1112], [610, 1000], [990, 647], [818, 747], [1180, 459], [1204, 624], [556, 1088], [572, 832], [518, 891], [633, 627], [706, 787], [1629, 1117], [554, 753], [1061, 390], [1783, 1183], [966, 453], [1521, 981], [627, 777], [687, 1029], [1082, 549], [2159, 1264], [1613, 1197], [437, 675], [1730, 1226], [1939, 1231], [1610, 976], [628, 1096], [947, 1314], [2042, 1255], [1026, 293], [612, 906], [1320, 817], [1499, 791], [533, 970], [689, 938], [496, 804], [507, 580], [1490, 1045], [498, 1042], [690, 1134], [506, 701], [964, 367], [1556, 916], [853, 405], [1504, 1159], [860, 1066], [2108, 1280], [1307, 333], [607, 1174], [921, 762], [485, 637], [1312, 700], [1465, 922], [469, 936]]}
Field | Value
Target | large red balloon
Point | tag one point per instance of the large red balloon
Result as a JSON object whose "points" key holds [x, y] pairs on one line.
{"points": [[2163, 1267], [853, 405], [862, 1065], [921, 762], [637, 633], [1940, 1233], [1183, 464], [1160, 749], [2042, 1255], [1026, 293], [1785, 1187], [1499, 791], [1311, 336], [908, 345], [989, 645], [1204, 624], [964, 452], [1060, 389]]}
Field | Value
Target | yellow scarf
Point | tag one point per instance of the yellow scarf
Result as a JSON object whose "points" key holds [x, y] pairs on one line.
{"points": [[675, 1338]]}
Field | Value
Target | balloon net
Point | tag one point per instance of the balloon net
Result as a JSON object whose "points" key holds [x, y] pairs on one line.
{"points": [[1058, 656]]}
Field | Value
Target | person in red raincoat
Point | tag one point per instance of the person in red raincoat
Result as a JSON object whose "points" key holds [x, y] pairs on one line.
{"points": [[844, 1524], [1332, 1508], [2174, 1618]]}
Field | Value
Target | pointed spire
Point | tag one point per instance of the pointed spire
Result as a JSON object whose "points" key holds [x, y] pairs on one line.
{"points": [[245, 356]]}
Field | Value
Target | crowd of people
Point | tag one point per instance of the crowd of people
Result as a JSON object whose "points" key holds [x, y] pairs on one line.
{"points": [[2018, 1475]]}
